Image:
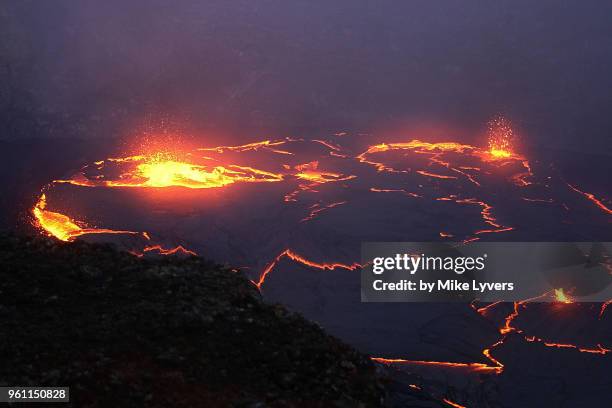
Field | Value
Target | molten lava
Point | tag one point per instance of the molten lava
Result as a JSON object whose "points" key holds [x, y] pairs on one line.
{"points": [[300, 259], [159, 170], [171, 173], [170, 251], [56, 224], [497, 366], [591, 197], [63, 227], [311, 172], [443, 171], [453, 404], [472, 367]]}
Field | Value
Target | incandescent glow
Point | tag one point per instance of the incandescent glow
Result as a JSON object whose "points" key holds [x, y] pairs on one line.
{"points": [[453, 404], [66, 229], [311, 172], [172, 173], [55, 224], [500, 154], [63, 227], [159, 171], [501, 136], [306, 262], [316, 209], [479, 367], [264, 144], [171, 251], [591, 197], [560, 296], [315, 189]]}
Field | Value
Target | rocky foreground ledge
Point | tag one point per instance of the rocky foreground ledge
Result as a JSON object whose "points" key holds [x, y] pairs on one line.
{"points": [[166, 332]]}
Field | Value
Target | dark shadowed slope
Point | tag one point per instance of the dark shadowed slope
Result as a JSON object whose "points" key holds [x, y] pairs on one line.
{"points": [[129, 332]]}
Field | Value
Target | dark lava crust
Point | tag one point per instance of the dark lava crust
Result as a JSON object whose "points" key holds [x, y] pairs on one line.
{"points": [[169, 332]]}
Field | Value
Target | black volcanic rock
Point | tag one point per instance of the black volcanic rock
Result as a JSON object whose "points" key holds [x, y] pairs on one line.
{"points": [[128, 332]]}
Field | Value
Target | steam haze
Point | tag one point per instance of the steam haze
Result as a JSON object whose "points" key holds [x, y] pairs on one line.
{"points": [[240, 69]]}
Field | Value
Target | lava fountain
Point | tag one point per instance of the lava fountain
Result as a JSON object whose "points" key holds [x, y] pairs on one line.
{"points": [[500, 137]]}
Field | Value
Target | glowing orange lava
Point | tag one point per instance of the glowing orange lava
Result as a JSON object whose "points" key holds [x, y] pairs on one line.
{"points": [[66, 229], [486, 213], [444, 161], [159, 170], [314, 176], [63, 227], [479, 367], [264, 144], [434, 175], [592, 198], [453, 404], [483, 310], [445, 154], [300, 259], [416, 146], [311, 172], [592, 350], [56, 224], [170, 251]]}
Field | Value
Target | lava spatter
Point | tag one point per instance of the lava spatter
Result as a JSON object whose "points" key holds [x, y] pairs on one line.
{"points": [[487, 216], [501, 138], [311, 172]]}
